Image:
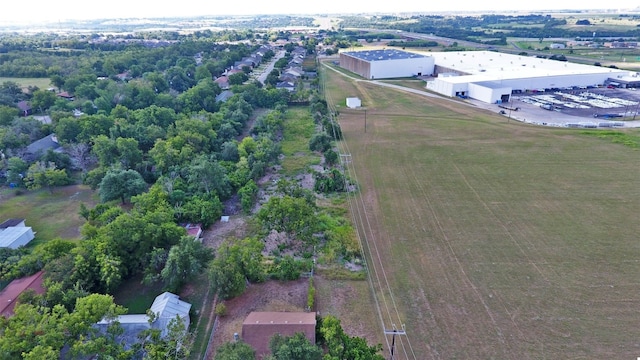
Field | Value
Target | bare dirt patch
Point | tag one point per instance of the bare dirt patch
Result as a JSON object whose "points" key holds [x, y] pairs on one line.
{"points": [[268, 296], [220, 231]]}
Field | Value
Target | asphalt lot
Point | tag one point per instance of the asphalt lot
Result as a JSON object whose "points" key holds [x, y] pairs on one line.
{"points": [[581, 108]]}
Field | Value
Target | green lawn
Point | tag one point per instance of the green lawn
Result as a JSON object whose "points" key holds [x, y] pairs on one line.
{"points": [[41, 83], [51, 215], [298, 129], [135, 296], [493, 239]]}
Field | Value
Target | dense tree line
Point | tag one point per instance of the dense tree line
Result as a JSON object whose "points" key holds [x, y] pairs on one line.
{"points": [[160, 151], [483, 28]]}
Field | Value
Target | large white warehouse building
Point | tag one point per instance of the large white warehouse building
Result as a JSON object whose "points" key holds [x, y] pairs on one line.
{"points": [[384, 64], [492, 77]]}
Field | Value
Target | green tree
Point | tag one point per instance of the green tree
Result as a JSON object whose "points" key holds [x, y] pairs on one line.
{"points": [[7, 114], [238, 350], [330, 157], [185, 260], [40, 332], [248, 194], [238, 78], [43, 99], [41, 174], [121, 184], [130, 153], [105, 149], [320, 142], [204, 210], [16, 170], [236, 262], [176, 344], [294, 216], [287, 268], [296, 347], [341, 346]]}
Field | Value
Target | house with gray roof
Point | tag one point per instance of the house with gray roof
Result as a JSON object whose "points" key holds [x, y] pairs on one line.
{"points": [[40, 147], [166, 307]]}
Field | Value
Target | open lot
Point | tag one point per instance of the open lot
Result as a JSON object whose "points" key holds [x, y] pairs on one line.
{"points": [[488, 238]]}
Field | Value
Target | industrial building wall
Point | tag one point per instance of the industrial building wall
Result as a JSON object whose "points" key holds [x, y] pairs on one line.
{"points": [[487, 94], [401, 67], [558, 81], [358, 66], [446, 88]]}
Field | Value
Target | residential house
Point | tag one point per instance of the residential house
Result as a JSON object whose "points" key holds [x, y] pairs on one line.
{"points": [[194, 230], [9, 295], [224, 96], [232, 71], [295, 71], [65, 95], [287, 85], [14, 233], [25, 108], [166, 307], [259, 327], [124, 76], [39, 147], [223, 82]]}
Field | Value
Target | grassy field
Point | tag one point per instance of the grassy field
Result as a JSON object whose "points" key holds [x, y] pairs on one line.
{"points": [[41, 83], [298, 131], [51, 215], [491, 239]]}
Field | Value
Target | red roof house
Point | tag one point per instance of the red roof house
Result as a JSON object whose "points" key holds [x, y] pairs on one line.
{"points": [[10, 294], [259, 327]]}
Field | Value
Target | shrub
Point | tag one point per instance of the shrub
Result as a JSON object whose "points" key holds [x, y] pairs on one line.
{"points": [[221, 309]]}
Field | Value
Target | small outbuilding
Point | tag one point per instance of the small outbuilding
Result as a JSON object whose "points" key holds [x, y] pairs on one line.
{"points": [[259, 327], [353, 102], [14, 233]]}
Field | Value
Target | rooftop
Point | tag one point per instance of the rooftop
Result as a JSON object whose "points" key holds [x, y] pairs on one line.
{"points": [[168, 305], [9, 235], [490, 65], [280, 318], [9, 295], [380, 55], [11, 223]]}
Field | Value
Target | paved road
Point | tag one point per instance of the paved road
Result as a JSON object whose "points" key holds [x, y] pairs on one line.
{"points": [[267, 70]]}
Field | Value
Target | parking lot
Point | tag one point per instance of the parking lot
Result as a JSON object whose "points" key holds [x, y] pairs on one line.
{"points": [[597, 107]]}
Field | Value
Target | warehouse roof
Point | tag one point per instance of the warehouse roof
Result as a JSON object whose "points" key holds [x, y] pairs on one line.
{"points": [[380, 55], [490, 65]]}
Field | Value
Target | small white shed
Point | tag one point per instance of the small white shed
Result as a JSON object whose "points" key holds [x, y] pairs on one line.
{"points": [[353, 102], [14, 237]]}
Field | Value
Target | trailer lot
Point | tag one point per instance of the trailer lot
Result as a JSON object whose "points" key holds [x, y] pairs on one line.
{"points": [[600, 107]]}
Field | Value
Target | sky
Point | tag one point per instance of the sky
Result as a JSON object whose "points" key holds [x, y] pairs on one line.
{"points": [[57, 10]]}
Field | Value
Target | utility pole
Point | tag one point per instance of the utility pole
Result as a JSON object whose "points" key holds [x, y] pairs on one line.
{"points": [[365, 120], [393, 333]]}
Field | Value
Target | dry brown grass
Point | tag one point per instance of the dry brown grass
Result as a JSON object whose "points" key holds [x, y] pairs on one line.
{"points": [[497, 240]]}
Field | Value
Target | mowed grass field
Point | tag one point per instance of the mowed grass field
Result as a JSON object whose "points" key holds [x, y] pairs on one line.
{"points": [[41, 83], [51, 215], [498, 240]]}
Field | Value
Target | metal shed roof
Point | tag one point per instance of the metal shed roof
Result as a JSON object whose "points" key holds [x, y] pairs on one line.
{"points": [[10, 235]]}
